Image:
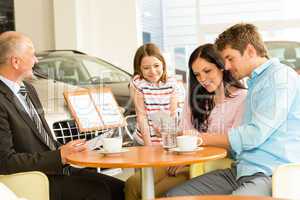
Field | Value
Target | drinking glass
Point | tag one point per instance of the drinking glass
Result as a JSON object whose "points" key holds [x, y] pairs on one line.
{"points": [[169, 132]]}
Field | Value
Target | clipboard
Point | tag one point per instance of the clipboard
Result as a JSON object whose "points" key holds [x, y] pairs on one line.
{"points": [[94, 109]]}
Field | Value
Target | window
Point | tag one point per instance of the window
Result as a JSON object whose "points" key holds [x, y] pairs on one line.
{"points": [[180, 57], [146, 37], [7, 22]]}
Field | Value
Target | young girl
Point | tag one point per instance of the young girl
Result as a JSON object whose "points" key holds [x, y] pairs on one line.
{"points": [[153, 91]]}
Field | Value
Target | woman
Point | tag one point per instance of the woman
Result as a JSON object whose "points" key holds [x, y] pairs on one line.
{"points": [[216, 98]]}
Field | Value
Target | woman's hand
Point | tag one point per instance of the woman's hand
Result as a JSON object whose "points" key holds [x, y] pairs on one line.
{"points": [[157, 130], [156, 141], [175, 170]]}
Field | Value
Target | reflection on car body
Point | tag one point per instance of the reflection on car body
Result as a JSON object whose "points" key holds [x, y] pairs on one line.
{"points": [[288, 52]]}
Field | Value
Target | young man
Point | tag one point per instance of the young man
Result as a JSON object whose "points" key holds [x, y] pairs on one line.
{"points": [[26, 142], [269, 133]]}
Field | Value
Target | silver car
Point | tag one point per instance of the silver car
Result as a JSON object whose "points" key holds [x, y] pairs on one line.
{"points": [[288, 52], [58, 71]]}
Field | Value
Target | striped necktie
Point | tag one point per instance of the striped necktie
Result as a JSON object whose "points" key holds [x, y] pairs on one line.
{"points": [[36, 119]]}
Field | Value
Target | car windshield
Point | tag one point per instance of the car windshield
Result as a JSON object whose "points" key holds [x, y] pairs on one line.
{"points": [[79, 70], [287, 52]]}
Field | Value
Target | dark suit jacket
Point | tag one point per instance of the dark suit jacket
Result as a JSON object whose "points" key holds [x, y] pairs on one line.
{"points": [[21, 146]]}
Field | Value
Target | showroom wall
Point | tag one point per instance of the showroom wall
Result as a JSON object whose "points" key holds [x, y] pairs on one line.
{"points": [[107, 29], [35, 19], [110, 29], [65, 24]]}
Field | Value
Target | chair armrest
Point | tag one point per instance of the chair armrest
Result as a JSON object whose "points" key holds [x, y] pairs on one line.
{"points": [[30, 185], [198, 169]]}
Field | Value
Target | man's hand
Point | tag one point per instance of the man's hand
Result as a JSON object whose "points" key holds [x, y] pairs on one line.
{"points": [[72, 147]]}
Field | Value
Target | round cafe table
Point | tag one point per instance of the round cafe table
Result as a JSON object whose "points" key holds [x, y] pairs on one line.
{"points": [[145, 158], [219, 197]]}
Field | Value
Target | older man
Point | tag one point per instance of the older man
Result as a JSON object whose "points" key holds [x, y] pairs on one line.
{"points": [[26, 143]]}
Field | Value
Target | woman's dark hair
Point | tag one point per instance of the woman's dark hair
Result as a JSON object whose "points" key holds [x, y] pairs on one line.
{"points": [[201, 101]]}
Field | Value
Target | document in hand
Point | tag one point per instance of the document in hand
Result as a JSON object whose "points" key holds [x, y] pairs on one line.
{"points": [[94, 143]]}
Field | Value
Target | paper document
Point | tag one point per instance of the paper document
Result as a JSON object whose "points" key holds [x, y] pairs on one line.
{"points": [[84, 107], [94, 143]]}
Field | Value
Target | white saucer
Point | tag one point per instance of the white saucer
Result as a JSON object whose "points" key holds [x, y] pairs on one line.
{"points": [[102, 151], [178, 150]]}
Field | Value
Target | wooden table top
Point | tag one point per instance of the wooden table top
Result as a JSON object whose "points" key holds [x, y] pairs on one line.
{"points": [[138, 157], [218, 197]]}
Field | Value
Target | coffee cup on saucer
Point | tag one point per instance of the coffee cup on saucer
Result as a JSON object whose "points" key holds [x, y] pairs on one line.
{"points": [[187, 142], [112, 145]]}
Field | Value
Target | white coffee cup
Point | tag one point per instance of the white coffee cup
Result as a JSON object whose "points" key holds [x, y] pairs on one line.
{"points": [[112, 144], [187, 142]]}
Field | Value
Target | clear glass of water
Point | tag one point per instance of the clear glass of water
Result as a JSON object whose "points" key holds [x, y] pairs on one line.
{"points": [[168, 140], [169, 133]]}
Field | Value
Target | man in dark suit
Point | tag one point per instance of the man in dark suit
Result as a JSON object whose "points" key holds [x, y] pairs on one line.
{"points": [[26, 142]]}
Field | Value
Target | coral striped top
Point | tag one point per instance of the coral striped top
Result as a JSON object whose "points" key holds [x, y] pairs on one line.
{"points": [[157, 97]]}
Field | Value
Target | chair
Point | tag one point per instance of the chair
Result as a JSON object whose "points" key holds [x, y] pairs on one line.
{"points": [[218, 197], [285, 181], [67, 130], [131, 127], [29, 185], [202, 168]]}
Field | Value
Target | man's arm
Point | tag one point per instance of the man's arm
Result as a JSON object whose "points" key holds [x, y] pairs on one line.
{"points": [[269, 106], [211, 139], [12, 161]]}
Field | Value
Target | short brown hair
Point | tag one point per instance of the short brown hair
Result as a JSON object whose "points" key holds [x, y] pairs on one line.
{"points": [[148, 49], [239, 36]]}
